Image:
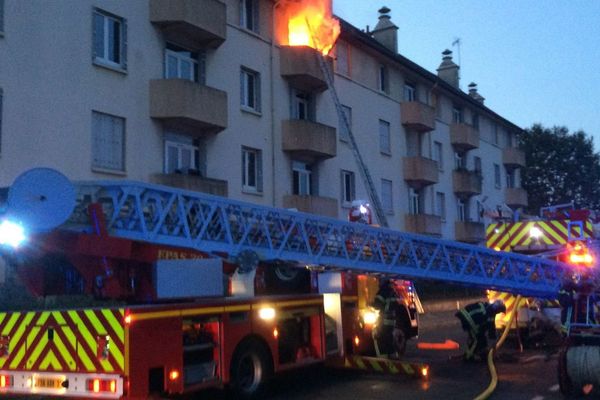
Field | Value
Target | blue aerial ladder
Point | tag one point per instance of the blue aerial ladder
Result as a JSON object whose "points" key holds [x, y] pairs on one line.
{"points": [[169, 216]]}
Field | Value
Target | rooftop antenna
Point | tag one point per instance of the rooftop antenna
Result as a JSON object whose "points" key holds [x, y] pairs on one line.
{"points": [[457, 41]]}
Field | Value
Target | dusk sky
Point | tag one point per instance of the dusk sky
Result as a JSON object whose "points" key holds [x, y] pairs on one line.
{"points": [[533, 61]]}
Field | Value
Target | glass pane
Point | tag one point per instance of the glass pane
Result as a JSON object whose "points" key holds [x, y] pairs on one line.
{"points": [[251, 169], [98, 35], [186, 160], [172, 159], [114, 41], [250, 83], [186, 70], [171, 67]]}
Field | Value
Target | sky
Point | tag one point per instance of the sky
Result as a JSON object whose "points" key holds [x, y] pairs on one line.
{"points": [[533, 61]]}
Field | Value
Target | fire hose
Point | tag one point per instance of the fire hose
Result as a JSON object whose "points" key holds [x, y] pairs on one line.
{"points": [[490, 358]]}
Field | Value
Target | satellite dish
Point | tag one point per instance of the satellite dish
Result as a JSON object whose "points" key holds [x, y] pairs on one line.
{"points": [[41, 199]]}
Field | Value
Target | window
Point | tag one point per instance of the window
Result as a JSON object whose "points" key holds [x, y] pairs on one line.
{"points": [[461, 210], [303, 105], [249, 15], [414, 202], [438, 155], [1, 98], [345, 126], [342, 59], [302, 178], [184, 64], [181, 157], [383, 78], [1, 17], [348, 188], [384, 137], [510, 179], [250, 89], [495, 134], [440, 205], [460, 161], [110, 40], [475, 120], [477, 161], [251, 170], [497, 176], [410, 92], [108, 142], [387, 201], [457, 115]]}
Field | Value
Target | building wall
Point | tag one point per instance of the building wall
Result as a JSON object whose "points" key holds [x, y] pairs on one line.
{"points": [[51, 86]]}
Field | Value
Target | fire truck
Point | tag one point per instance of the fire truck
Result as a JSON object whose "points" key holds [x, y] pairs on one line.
{"points": [[180, 281], [560, 232]]}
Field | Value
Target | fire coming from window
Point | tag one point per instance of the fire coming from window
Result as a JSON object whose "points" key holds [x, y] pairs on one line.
{"points": [[310, 23]]}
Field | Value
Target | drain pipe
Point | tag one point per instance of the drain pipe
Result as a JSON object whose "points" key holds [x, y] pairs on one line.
{"points": [[272, 95]]}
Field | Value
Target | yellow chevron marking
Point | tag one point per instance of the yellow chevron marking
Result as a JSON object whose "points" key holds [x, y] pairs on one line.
{"points": [[560, 227], [43, 318], [39, 347], [551, 230], [375, 365], [407, 368], [126, 363], [116, 325], [391, 367], [359, 363], [58, 317], [2, 316], [504, 242], [65, 354], [17, 337], [525, 231], [100, 329], [81, 353], [50, 360], [10, 323]]}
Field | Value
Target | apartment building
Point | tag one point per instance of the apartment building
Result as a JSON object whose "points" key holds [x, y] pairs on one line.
{"points": [[207, 95]]}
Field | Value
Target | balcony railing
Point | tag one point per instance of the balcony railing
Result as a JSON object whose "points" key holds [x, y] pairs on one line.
{"points": [[420, 171], [301, 67], [188, 106], [190, 23], [516, 197], [423, 224], [513, 157], [307, 140], [464, 137], [466, 183], [469, 232], [318, 205], [417, 116]]}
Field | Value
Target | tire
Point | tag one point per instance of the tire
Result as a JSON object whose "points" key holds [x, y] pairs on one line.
{"points": [[564, 381], [250, 370]]}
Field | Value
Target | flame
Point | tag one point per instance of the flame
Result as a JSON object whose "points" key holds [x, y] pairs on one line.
{"points": [[310, 24]]}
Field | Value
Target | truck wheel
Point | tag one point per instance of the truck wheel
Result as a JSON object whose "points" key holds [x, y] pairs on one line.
{"points": [[250, 370], [564, 381]]}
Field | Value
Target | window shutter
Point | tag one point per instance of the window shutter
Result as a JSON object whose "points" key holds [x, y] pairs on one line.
{"points": [[124, 44], [95, 34], [259, 171]]}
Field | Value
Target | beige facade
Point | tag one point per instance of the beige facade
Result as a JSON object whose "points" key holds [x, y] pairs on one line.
{"points": [[198, 94]]}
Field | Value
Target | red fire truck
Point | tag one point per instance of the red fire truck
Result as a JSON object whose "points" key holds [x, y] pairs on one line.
{"points": [[167, 319]]}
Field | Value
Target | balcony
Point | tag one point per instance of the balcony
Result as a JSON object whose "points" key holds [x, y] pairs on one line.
{"points": [[417, 116], [190, 23], [188, 106], [423, 224], [308, 141], [513, 157], [516, 197], [469, 232], [466, 183], [324, 206], [464, 137], [192, 182], [300, 66], [420, 171]]}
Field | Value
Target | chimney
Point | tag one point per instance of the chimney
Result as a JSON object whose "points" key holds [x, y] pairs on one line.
{"points": [[447, 70], [385, 31], [474, 94]]}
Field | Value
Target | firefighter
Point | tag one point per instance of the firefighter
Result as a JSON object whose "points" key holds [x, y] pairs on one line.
{"points": [[477, 320], [577, 301], [386, 335]]}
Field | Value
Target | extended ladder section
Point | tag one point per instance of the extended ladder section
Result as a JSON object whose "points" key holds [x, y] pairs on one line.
{"points": [[168, 216]]}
